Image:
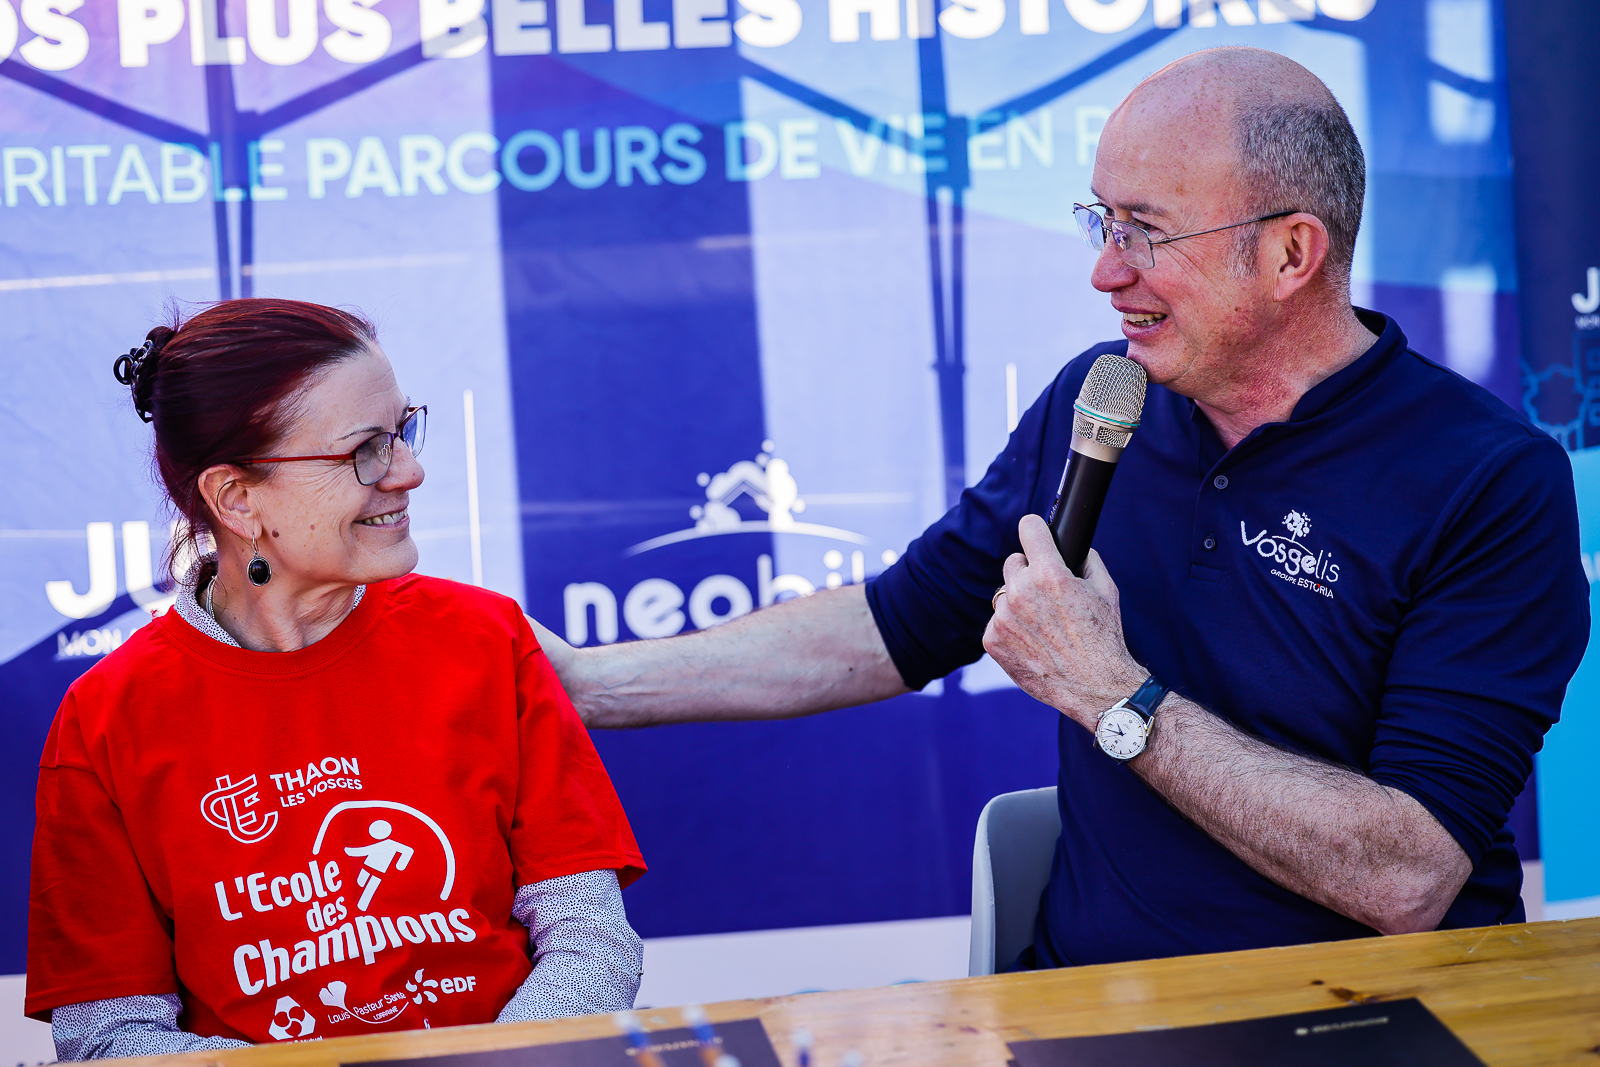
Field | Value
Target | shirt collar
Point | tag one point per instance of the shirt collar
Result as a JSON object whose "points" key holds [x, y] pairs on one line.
{"points": [[194, 613], [188, 603], [1343, 383]]}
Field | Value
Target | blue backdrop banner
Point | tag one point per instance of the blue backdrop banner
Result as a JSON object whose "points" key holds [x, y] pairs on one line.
{"points": [[1554, 83], [714, 303]]}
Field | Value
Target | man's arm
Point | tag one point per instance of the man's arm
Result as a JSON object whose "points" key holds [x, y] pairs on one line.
{"points": [[825, 650], [1361, 848], [807, 655]]}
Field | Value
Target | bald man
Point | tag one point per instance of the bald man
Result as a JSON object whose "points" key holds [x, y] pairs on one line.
{"points": [[1335, 599]]}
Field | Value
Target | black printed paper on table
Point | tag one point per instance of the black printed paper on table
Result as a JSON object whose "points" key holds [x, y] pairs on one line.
{"points": [[745, 1039], [1401, 1033]]}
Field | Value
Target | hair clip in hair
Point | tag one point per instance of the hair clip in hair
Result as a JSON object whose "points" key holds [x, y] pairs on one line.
{"points": [[126, 368]]}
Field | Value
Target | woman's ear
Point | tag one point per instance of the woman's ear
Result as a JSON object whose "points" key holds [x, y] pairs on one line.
{"points": [[229, 499]]}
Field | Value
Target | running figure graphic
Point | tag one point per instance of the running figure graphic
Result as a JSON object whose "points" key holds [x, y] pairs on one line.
{"points": [[378, 856]]}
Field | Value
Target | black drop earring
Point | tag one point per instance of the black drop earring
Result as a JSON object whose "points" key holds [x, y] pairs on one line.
{"points": [[259, 570]]}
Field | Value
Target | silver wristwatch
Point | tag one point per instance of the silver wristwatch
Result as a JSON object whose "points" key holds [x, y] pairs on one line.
{"points": [[1123, 729]]}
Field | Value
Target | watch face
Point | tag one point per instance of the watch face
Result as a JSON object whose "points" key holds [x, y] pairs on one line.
{"points": [[1121, 733]]}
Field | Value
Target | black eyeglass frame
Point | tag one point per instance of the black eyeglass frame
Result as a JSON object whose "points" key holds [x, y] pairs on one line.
{"points": [[1116, 226], [415, 417]]}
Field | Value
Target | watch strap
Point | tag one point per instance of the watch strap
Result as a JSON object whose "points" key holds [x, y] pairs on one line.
{"points": [[1148, 697]]}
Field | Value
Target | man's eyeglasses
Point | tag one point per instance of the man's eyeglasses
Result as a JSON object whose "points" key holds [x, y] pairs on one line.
{"points": [[373, 456], [1133, 242]]}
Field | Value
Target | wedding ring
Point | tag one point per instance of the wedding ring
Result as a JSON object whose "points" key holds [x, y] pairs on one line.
{"points": [[994, 601]]}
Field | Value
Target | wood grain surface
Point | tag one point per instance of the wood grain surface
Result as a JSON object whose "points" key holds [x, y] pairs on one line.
{"points": [[1527, 994]]}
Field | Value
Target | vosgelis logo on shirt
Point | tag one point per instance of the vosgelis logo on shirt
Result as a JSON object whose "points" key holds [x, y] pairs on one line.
{"points": [[1298, 565], [231, 807]]}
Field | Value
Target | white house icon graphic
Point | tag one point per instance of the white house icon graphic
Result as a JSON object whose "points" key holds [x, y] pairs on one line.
{"points": [[769, 484]]}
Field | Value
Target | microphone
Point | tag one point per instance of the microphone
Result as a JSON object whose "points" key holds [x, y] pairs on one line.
{"points": [[1104, 417]]}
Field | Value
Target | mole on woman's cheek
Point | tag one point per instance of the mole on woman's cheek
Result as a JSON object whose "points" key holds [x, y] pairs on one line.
{"points": [[313, 526], [274, 533]]}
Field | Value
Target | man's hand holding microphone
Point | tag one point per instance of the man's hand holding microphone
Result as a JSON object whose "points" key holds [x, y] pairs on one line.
{"points": [[1058, 636], [1057, 625]]}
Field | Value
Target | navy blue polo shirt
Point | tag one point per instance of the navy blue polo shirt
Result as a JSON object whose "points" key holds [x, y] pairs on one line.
{"points": [[1389, 580]]}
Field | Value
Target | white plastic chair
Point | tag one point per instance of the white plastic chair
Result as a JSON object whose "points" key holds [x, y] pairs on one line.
{"points": [[1011, 856]]}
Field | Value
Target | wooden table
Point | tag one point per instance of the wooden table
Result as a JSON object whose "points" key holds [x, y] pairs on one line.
{"points": [[1526, 994]]}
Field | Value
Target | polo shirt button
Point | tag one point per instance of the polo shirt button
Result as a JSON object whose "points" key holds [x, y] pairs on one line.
{"points": [[1210, 542], [1220, 481]]}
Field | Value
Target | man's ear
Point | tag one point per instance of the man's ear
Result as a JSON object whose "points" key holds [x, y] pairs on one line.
{"points": [[227, 496], [1299, 248]]}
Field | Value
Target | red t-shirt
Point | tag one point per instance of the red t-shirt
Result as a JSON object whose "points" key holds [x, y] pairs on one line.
{"points": [[315, 843]]}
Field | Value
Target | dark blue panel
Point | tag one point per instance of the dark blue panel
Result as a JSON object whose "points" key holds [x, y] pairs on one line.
{"points": [[634, 358], [860, 815], [32, 685], [1418, 309], [1554, 55]]}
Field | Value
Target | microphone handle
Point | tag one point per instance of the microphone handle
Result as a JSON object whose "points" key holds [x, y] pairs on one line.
{"points": [[1076, 511]]}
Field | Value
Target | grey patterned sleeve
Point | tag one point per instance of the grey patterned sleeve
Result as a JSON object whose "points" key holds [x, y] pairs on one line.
{"points": [[586, 958], [127, 1026]]}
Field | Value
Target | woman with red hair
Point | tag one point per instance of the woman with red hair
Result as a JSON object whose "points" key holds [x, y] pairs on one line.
{"points": [[323, 796]]}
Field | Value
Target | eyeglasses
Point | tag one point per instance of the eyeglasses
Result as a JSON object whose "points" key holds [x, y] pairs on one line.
{"points": [[373, 456], [1133, 242]]}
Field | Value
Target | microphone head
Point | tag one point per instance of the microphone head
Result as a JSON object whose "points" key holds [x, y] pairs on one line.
{"points": [[1110, 403]]}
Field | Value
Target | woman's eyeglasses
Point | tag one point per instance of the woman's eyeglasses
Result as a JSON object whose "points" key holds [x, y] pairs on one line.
{"points": [[373, 457]]}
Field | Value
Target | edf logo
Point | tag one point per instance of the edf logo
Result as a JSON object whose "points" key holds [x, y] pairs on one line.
{"points": [[227, 807]]}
